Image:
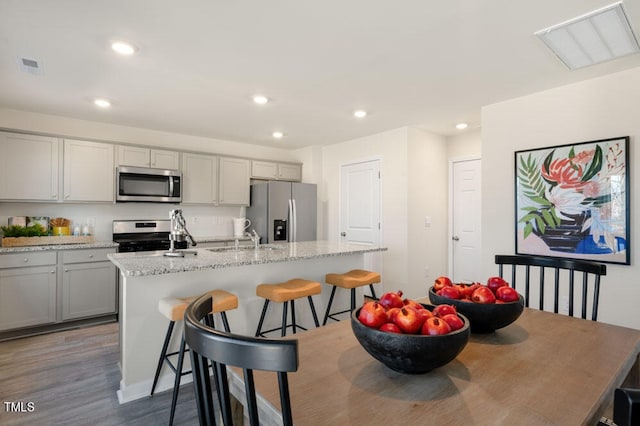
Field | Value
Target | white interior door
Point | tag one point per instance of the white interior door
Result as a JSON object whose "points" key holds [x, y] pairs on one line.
{"points": [[360, 221], [465, 221]]}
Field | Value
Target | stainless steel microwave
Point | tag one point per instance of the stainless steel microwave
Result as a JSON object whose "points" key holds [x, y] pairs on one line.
{"points": [[142, 184]]}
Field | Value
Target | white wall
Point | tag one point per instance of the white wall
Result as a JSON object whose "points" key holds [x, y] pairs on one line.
{"points": [[82, 129], [391, 148], [427, 198], [414, 185], [595, 109], [465, 145]]}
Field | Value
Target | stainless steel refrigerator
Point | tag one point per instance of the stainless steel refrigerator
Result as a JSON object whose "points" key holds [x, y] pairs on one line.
{"points": [[283, 211]]}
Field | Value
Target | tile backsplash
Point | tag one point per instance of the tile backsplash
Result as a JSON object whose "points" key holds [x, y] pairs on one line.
{"points": [[202, 221]]}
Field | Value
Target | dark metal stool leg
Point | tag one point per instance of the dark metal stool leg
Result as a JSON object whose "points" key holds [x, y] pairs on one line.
{"points": [[293, 316], [163, 353], [313, 311], [353, 299], [326, 314], [373, 292], [284, 319], [225, 322], [264, 311], [176, 383]]}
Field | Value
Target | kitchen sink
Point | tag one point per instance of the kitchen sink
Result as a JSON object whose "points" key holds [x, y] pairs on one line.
{"points": [[245, 248]]}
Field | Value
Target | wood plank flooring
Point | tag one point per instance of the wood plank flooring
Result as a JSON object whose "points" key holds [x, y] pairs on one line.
{"points": [[71, 377]]}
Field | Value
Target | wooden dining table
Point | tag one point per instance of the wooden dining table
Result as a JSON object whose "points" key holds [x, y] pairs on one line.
{"points": [[543, 369]]}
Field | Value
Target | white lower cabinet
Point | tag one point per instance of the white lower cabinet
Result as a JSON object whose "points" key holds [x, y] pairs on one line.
{"points": [[88, 284], [27, 293], [43, 290]]}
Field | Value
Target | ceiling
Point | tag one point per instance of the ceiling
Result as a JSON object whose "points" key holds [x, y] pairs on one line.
{"points": [[423, 63]]}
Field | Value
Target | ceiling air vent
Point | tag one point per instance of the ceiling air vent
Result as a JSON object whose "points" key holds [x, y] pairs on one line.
{"points": [[599, 36], [31, 66]]}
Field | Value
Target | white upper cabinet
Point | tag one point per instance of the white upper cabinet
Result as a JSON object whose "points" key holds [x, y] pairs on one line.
{"points": [[162, 159], [199, 179], [234, 181], [292, 172], [275, 171], [29, 167], [146, 157], [89, 171]]}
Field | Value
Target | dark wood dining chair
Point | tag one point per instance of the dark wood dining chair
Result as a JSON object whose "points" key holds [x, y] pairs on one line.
{"points": [[226, 349], [564, 271], [626, 407]]}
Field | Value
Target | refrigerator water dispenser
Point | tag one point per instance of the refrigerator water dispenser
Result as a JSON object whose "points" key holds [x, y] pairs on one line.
{"points": [[279, 230]]}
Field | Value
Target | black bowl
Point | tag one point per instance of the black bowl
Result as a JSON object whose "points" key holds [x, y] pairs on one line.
{"points": [[410, 353], [484, 318]]}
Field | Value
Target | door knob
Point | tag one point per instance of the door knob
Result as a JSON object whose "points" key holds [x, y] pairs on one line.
{"points": [[343, 234], [455, 238]]}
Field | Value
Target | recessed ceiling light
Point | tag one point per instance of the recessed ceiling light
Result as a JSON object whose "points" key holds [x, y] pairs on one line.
{"points": [[102, 103], [461, 126], [277, 135], [123, 48], [260, 99], [360, 113]]}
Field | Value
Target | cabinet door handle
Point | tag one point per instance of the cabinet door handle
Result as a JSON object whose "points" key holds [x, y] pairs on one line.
{"points": [[54, 195], [53, 272], [25, 260], [90, 256], [66, 270]]}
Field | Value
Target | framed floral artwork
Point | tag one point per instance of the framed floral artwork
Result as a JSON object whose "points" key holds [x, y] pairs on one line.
{"points": [[573, 201]]}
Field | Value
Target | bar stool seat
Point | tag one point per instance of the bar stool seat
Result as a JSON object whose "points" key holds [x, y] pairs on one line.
{"points": [[287, 292], [173, 308], [349, 281]]}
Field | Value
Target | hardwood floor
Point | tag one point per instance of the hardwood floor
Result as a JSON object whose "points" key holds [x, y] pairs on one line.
{"points": [[71, 378]]}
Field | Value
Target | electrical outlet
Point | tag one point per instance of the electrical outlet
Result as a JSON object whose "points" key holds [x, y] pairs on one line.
{"points": [[426, 272]]}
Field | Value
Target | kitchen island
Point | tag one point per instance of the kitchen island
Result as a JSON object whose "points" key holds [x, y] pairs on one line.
{"points": [[146, 277]]}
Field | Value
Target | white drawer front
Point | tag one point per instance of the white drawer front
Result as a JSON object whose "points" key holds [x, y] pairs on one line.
{"points": [[86, 255], [17, 260]]}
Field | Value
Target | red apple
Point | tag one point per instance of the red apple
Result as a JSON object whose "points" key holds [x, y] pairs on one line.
{"points": [[391, 314], [391, 300], [390, 327], [507, 294], [409, 320], [494, 283], [425, 314], [449, 292], [467, 290], [483, 295], [442, 310], [454, 321], [372, 314], [435, 326], [441, 282], [412, 304]]}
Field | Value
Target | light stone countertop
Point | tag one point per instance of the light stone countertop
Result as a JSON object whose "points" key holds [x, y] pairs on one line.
{"points": [[95, 245], [155, 263]]}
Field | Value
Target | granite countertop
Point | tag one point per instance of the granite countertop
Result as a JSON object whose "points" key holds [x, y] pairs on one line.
{"points": [[98, 244], [155, 263]]}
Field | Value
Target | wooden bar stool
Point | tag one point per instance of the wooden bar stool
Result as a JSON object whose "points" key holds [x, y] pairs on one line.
{"points": [[287, 292], [173, 308], [350, 281]]}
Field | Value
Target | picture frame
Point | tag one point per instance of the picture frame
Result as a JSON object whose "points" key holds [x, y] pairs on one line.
{"points": [[572, 201]]}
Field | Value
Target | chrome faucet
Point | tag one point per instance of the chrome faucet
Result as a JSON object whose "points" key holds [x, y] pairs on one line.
{"points": [[179, 233], [255, 238]]}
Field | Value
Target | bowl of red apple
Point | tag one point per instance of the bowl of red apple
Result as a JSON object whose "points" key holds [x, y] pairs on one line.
{"points": [[488, 307], [407, 336]]}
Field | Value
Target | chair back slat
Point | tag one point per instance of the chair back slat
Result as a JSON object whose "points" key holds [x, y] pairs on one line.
{"points": [[563, 281], [224, 349]]}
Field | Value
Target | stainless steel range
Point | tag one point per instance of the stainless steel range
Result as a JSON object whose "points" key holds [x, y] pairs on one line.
{"points": [[144, 235]]}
